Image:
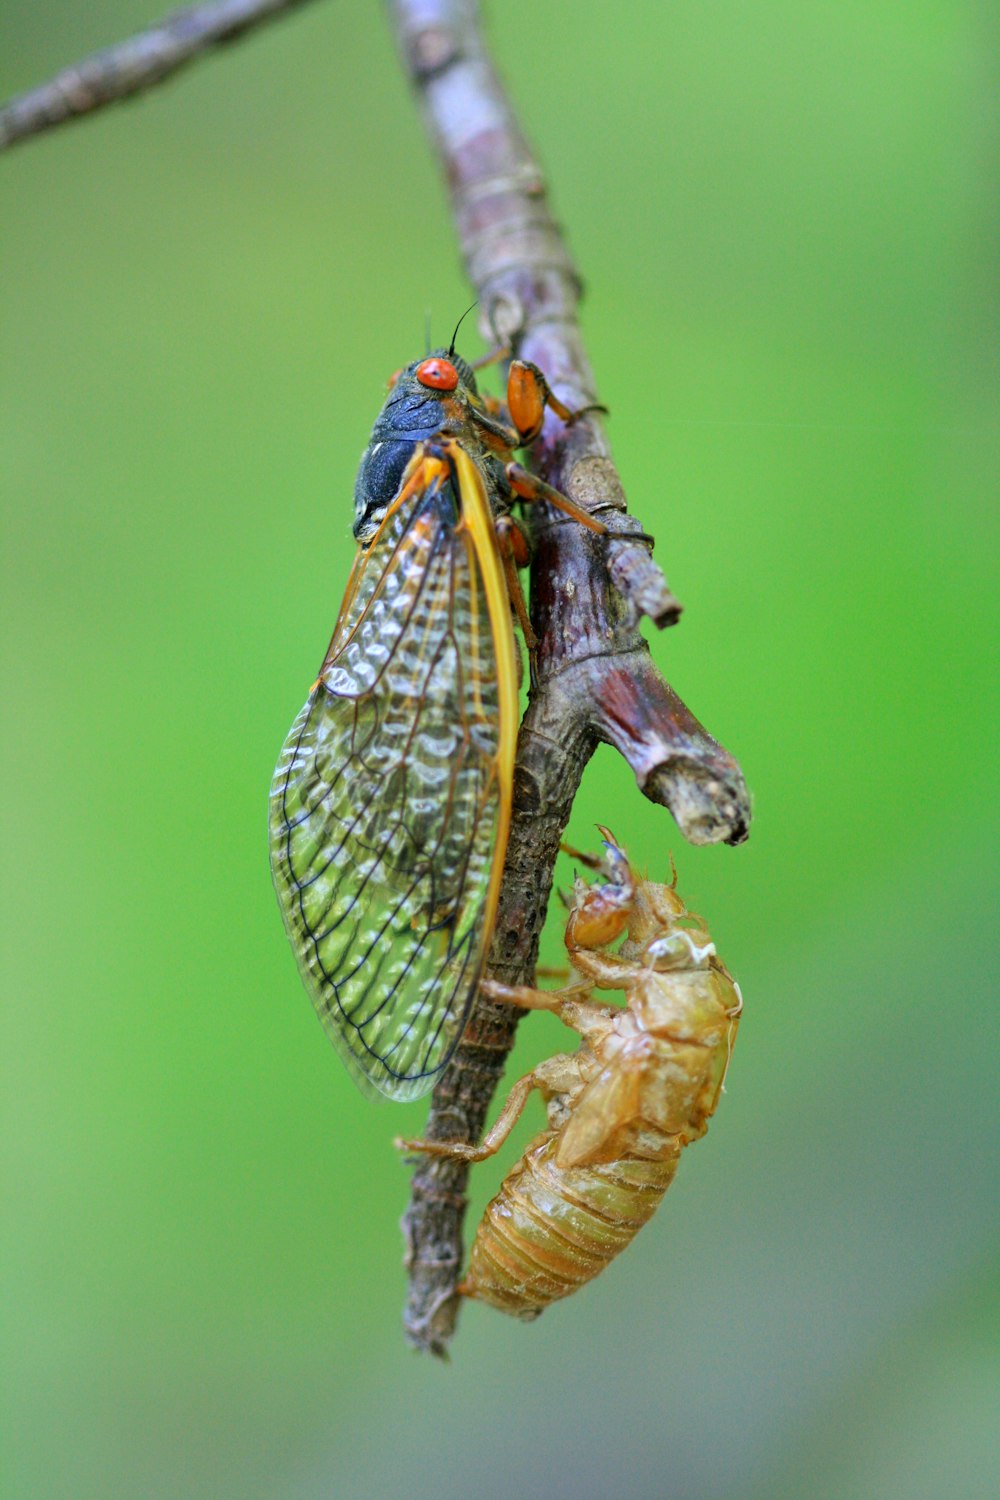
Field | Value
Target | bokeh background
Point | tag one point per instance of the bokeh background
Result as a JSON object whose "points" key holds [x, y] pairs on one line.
{"points": [[786, 220]]}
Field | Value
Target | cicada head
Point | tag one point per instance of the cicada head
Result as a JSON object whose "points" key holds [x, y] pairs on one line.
{"points": [[444, 370], [422, 398], [426, 398], [414, 405], [600, 912]]}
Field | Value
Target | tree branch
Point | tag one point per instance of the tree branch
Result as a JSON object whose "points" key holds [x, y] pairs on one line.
{"points": [[136, 64], [596, 680]]}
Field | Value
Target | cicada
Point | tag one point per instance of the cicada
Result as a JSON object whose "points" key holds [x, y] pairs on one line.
{"points": [[643, 1085], [391, 800]]}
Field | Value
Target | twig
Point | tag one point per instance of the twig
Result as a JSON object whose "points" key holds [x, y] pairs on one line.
{"points": [[596, 680], [138, 63]]}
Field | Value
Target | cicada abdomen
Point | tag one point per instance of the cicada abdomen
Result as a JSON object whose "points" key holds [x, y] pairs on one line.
{"points": [[643, 1085]]}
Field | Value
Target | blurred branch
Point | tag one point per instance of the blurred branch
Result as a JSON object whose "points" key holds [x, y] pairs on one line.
{"points": [[148, 58], [596, 680]]}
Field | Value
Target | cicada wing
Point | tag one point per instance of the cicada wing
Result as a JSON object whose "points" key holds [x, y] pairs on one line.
{"points": [[391, 799]]}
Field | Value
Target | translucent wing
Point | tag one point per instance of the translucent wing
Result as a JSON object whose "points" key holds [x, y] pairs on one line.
{"points": [[391, 798]]}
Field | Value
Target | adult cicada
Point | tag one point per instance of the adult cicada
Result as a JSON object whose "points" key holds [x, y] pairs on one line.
{"points": [[643, 1084], [391, 800]]}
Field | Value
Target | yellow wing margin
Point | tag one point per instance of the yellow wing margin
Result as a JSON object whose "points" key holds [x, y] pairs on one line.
{"points": [[478, 517]]}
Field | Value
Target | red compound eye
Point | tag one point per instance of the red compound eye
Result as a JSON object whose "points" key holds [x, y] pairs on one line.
{"points": [[438, 374]]}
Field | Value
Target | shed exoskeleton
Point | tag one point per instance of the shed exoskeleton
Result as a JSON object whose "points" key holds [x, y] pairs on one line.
{"points": [[643, 1085]]}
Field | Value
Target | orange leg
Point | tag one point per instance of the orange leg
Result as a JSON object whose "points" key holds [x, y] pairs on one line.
{"points": [[529, 487], [528, 394]]}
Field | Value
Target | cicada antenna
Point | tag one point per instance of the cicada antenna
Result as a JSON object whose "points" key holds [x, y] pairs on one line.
{"points": [[451, 346]]}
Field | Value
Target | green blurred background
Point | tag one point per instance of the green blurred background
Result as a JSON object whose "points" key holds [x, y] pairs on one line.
{"points": [[785, 217]]}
